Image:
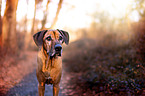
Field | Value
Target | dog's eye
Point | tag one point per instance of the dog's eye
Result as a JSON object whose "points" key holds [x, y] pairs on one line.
{"points": [[48, 38], [60, 38]]}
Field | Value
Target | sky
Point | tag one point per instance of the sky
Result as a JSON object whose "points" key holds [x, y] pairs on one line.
{"points": [[74, 13]]}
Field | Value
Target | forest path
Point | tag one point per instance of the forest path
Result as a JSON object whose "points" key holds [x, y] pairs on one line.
{"points": [[20, 79]]}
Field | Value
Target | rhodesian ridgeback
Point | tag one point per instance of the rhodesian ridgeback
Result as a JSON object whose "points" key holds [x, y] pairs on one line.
{"points": [[49, 60]]}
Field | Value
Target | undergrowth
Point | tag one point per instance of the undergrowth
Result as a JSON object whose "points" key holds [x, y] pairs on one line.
{"points": [[106, 66]]}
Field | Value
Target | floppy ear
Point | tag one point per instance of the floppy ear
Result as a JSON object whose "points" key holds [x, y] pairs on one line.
{"points": [[65, 36], [38, 38]]}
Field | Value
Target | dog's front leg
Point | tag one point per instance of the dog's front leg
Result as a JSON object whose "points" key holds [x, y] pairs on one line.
{"points": [[41, 89], [55, 89]]}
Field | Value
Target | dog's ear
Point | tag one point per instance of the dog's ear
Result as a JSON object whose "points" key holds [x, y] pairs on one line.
{"points": [[38, 38], [65, 36]]}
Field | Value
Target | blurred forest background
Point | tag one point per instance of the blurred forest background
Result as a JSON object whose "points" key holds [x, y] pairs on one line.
{"points": [[106, 54]]}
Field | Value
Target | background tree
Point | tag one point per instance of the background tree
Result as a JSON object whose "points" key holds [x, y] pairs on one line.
{"points": [[25, 28], [45, 15], [9, 26], [33, 23], [32, 29], [30, 41], [139, 29], [0, 24], [57, 13]]}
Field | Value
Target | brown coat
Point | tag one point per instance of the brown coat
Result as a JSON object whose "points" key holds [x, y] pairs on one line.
{"points": [[49, 60]]}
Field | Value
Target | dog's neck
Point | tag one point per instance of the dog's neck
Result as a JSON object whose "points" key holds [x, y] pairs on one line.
{"points": [[49, 63]]}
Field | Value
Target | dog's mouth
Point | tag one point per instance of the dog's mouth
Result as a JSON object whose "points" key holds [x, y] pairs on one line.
{"points": [[51, 54], [58, 53]]}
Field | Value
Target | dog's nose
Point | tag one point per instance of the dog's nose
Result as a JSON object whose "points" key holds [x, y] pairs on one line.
{"points": [[58, 47]]}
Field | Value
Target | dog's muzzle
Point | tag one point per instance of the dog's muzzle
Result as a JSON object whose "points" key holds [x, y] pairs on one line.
{"points": [[58, 49]]}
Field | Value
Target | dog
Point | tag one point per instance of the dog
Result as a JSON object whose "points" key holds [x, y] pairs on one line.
{"points": [[49, 60]]}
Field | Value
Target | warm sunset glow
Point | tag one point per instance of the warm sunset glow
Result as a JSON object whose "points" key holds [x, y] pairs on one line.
{"points": [[116, 8], [97, 45], [74, 13]]}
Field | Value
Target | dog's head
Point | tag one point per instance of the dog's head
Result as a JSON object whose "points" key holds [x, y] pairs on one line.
{"points": [[51, 41]]}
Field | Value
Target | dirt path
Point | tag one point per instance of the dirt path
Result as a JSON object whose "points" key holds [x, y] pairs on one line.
{"points": [[20, 79]]}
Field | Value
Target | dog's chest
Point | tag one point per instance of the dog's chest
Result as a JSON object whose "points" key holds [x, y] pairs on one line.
{"points": [[52, 68]]}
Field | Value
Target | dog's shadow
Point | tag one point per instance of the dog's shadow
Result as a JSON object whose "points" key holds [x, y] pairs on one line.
{"points": [[29, 87]]}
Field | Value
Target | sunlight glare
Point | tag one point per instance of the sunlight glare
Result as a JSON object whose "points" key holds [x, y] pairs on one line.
{"points": [[78, 16], [74, 13], [116, 8]]}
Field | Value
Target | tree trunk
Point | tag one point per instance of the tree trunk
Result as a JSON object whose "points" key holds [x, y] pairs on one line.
{"points": [[57, 13], [0, 24], [29, 41], [33, 23], [45, 16], [25, 37], [9, 40]]}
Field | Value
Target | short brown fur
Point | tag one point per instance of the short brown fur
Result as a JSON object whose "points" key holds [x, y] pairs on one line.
{"points": [[49, 70]]}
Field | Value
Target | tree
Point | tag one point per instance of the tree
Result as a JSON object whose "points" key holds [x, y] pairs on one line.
{"points": [[30, 43], [140, 7], [9, 40], [33, 23], [25, 29], [32, 29], [45, 15], [140, 30], [0, 24], [57, 13]]}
